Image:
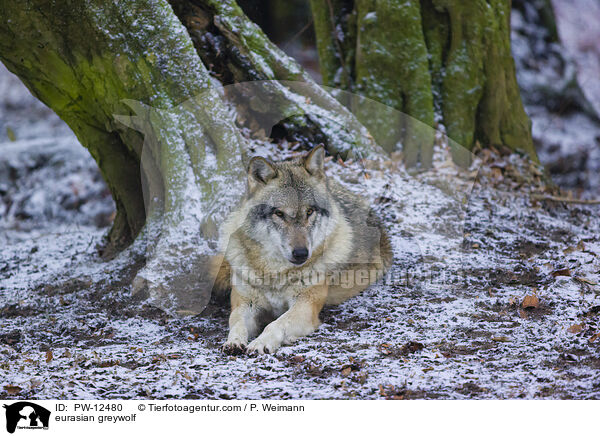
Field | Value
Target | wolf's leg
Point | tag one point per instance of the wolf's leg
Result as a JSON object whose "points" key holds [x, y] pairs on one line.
{"points": [[242, 323], [301, 319]]}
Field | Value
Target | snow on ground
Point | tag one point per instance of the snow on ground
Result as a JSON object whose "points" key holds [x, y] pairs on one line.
{"points": [[560, 87], [448, 322]]}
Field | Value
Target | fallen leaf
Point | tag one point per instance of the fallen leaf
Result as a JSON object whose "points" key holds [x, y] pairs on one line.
{"points": [[49, 356], [11, 134], [174, 356], [12, 389], [346, 371], [579, 247], [575, 328], [584, 280], [500, 339], [385, 349], [596, 336], [530, 302], [411, 347], [562, 272], [497, 174]]}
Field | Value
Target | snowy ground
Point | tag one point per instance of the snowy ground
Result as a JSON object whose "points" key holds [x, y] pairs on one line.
{"points": [[448, 323], [451, 321]]}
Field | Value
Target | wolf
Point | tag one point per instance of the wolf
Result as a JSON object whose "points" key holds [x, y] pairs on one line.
{"points": [[298, 240]]}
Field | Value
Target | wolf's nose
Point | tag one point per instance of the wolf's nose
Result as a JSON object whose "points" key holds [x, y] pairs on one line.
{"points": [[299, 255]]}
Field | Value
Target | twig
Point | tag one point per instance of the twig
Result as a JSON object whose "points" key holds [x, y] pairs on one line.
{"points": [[564, 199], [300, 32]]}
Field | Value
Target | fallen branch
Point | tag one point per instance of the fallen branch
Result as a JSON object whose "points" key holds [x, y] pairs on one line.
{"points": [[564, 199]]}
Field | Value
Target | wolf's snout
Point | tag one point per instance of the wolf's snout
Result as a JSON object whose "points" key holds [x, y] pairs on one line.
{"points": [[299, 255]]}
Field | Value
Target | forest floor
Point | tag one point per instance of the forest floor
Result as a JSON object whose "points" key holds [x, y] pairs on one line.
{"points": [[494, 292], [493, 297]]}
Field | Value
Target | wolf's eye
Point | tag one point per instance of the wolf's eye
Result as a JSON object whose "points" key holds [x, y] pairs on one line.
{"points": [[279, 213], [310, 211]]}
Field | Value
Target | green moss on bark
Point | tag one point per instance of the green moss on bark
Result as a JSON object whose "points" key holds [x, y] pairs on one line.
{"points": [[448, 54], [84, 58], [392, 68]]}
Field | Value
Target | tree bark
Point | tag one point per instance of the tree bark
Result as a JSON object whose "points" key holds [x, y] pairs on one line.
{"points": [[236, 51], [423, 57], [105, 67]]}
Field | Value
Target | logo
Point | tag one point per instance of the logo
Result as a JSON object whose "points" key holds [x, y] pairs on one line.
{"points": [[26, 415]]}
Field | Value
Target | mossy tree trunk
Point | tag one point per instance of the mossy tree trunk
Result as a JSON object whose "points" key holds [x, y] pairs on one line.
{"points": [[423, 57], [105, 67]]}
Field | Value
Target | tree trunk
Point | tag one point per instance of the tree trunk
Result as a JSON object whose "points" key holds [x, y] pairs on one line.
{"points": [[423, 57], [237, 52], [104, 66]]}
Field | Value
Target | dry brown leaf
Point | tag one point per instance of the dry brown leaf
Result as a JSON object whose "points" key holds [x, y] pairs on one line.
{"points": [[500, 339], [385, 349], [530, 302], [497, 174], [49, 356], [575, 328], [562, 272], [596, 336], [579, 247], [346, 371], [12, 389]]}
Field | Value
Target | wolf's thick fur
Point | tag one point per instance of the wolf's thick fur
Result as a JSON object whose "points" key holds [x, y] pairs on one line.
{"points": [[295, 222]]}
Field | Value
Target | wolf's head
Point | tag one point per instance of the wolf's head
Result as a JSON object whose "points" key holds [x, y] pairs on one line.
{"points": [[290, 213]]}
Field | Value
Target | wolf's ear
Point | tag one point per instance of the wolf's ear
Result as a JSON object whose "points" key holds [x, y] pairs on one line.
{"points": [[313, 162], [260, 171]]}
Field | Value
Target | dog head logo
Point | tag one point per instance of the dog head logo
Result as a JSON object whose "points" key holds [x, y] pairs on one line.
{"points": [[26, 415]]}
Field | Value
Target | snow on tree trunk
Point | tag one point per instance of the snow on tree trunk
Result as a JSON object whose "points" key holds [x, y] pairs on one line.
{"points": [[103, 66], [237, 51]]}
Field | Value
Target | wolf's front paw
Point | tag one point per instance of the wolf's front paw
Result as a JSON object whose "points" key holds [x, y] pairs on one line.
{"points": [[234, 348], [267, 342]]}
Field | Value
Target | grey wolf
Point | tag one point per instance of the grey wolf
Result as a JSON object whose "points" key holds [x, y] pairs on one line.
{"points": [[298, 240]]}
